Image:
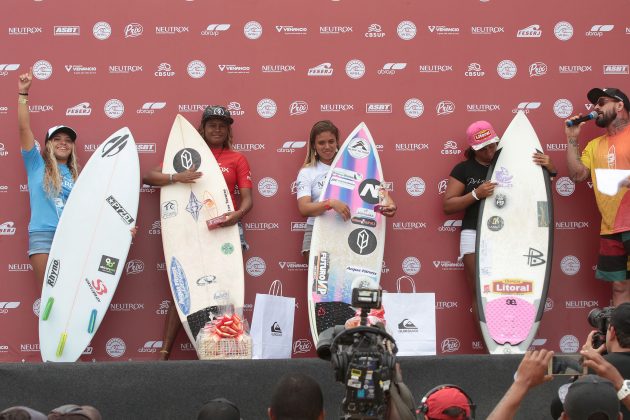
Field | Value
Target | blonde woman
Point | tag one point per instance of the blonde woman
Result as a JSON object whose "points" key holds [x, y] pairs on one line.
{"points": [[322, 148], [51, 176]]}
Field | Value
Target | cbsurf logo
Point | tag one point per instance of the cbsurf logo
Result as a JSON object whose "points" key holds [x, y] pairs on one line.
{"points": [[563, 31], [506, 69], [411, 266], [42, 70], [102, 30], [253, 30], [266, 108], [151, 107], [115, 347], [406, 30], [414, 108], [255, 266], [114, 108]]}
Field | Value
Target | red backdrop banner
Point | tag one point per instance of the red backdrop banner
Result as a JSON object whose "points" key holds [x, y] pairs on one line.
{"points": [[418, 73]]}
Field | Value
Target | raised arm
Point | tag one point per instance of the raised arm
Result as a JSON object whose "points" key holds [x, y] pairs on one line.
{"points": [[578, 172], [27, 139]]}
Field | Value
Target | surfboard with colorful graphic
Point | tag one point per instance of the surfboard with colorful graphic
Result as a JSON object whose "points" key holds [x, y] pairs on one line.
{"points": [[88, 253], [343, 253], [514, 243], [205, 267]]}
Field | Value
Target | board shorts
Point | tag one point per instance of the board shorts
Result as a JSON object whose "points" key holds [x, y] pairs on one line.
{"points": [[241, 235], [306, 242], [467, 240], [40, 242], [612, 264]]}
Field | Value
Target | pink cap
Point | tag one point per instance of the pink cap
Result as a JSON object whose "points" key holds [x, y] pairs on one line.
{"points": [[480, 134]]}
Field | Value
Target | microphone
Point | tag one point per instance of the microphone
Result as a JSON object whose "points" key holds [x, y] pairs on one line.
{"points": [[583, 118]]}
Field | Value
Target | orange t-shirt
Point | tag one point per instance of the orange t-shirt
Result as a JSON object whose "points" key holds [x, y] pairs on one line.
{"points": [[610, 152]]}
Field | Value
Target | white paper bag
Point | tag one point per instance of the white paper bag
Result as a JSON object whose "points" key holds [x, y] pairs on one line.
{"points": [[411, 320], [272, 324]]}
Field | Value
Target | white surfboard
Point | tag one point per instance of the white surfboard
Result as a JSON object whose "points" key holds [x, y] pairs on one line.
{"points": [[205, 267], [89, 250], [343, 253], [514, 243]]}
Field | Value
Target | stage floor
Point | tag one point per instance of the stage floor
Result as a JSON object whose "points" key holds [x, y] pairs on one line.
{"points": [[176, 390]]}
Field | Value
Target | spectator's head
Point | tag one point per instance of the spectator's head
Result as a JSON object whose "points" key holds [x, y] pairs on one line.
{"points": [[591, 398], [74, 412], [619, 328], [296, 397], [446, 402], [21, 413], [219, 409]]}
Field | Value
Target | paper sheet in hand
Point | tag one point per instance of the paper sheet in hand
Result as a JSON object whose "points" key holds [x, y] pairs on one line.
{"points": [[608, 179]]}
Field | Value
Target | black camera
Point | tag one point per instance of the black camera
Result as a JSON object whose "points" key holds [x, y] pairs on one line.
{"points": [[599, 318], [363, 359]]}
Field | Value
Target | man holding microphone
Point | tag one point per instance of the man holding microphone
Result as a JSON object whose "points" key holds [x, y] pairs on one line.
{"points": [[609, 151]]}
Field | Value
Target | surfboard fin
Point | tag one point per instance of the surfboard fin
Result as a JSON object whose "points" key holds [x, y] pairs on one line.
{"points": [[48, 308], [62, 344], [92, 321]]}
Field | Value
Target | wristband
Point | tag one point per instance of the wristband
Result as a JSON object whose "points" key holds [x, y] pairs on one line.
{"points": [[327, 205], [22, 94], [474, 194], [170, 178]]}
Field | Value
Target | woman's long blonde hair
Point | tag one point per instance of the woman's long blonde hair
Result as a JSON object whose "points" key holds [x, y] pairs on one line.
{"points": [[318, 128], [52, 176]]}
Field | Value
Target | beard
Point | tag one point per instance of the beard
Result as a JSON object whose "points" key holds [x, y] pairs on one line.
{"points": [[605, 119]]}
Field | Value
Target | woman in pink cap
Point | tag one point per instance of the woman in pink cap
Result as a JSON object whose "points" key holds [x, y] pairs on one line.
{"points": [[51, 176], [467, 186]]}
